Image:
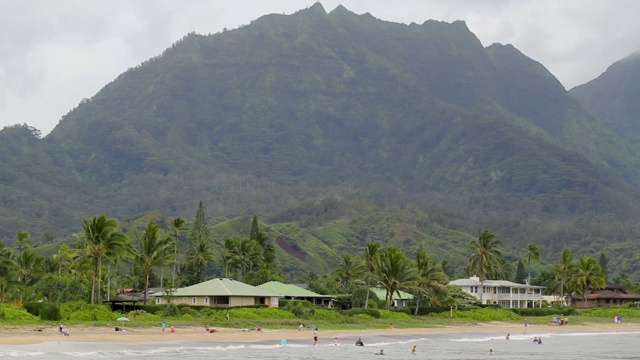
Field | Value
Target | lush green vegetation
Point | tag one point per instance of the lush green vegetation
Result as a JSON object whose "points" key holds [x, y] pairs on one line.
{"points": [[338, 130]]}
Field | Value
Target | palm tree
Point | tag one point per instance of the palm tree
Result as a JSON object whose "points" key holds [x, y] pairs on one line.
{"points": [[178, 225], [563, 270], [395, 272], [65, 257], [350, 268], [200, 256], [431, 279], [27, 263], [247, 255], [370, 259], [102, 242], [588, 275], [486, 257], [151, 250], [532, 252], [23, 242], [8, 273]]}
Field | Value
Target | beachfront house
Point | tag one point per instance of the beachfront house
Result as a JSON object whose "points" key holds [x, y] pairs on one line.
{"points": [[400, 299], [220, 292], [293, 292], [610, 295], [505, 293]]}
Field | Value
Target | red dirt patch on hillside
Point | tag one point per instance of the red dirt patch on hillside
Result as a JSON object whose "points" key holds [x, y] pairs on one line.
{"points": [[296, 253]]}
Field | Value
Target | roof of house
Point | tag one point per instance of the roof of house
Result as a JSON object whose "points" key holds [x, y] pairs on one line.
{"points": [[290, 290], [221, 287], [606, 294], [382, 293], [493, 283]]}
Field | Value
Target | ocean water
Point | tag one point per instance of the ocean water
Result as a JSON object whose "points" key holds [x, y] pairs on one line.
{"points": [[557, 346]]}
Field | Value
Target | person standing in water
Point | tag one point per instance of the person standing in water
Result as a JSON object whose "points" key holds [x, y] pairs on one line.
{"points": [[413, 350], [315, 338]]}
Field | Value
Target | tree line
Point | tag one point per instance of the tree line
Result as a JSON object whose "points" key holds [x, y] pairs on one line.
{"points": [[105, 256]]}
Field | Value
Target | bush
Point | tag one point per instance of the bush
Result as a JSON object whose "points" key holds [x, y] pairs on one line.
{"points": [[325, 314], [374, 313], [300, 308], [33, 308], [11, 314], [538, 311], [50, 312], [479, 314], [80, 312], [393, 315]]}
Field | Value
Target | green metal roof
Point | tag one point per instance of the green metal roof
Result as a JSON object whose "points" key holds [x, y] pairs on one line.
{"points": [[290, 290], [221, 287], [382, 293]]}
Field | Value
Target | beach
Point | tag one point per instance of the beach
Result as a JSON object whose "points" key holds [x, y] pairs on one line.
{"points": [[21, 335], [467, 342]]}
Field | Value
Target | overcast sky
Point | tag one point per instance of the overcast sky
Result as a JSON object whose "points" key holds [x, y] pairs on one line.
{"points": [[55, 53]]}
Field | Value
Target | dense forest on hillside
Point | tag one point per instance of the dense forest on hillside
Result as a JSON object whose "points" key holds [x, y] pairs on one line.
{"points": [[336, 129]]}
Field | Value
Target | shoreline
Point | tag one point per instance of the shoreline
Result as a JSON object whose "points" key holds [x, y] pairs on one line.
{"points": [[23, 335]]}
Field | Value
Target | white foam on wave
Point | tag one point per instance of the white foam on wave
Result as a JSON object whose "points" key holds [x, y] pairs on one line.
{"points": [[530, 335], [17, 353]]}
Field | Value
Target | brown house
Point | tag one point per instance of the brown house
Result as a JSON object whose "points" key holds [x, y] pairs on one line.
{"points": [[610, 295]]}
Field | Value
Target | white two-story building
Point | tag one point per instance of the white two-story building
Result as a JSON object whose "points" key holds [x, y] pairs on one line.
{"points": [[505, 293]]}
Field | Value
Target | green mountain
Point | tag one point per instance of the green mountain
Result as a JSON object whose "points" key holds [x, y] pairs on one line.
{"points": [[612, 97], [334, 128]]}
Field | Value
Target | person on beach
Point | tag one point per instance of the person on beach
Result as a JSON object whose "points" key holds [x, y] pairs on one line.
{"points": [[526, 323], [391, 326], [359, 342], [60, 329], [301, 327], [315, 338], [228, 315], [172, 329], [209, 329], [164, 326]]}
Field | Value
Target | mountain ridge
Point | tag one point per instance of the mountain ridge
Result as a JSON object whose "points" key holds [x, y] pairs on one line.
{"points": [[267, 117]]}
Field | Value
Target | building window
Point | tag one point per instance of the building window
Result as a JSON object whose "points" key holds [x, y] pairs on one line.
{"points": [[194, 300], [206, 300], [184, 299], [221, 300], [158, 300]]}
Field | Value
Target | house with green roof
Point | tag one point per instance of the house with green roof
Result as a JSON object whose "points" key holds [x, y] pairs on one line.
{"points": [[289, 291], [400, 298], [220, 292]]}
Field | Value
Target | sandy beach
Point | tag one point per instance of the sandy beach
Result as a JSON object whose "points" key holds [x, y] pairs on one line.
{"points": [[28, 335]]}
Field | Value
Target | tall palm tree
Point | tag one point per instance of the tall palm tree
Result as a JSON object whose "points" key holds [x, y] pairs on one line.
{"points": [[64, 257], [178, 225], [101, 243], [200, 256], [350, 268], [395, 273], [531, 253], [563, 270], [486, 257], [431, 279], [588, 274], [370, 259], [151, 250], [8, 273]]}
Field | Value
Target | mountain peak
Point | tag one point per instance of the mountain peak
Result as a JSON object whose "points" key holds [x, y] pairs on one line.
{"points": [[315, 9]]}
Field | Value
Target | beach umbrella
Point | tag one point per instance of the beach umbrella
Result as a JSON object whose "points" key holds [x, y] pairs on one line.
{"points": [[123, 319]]}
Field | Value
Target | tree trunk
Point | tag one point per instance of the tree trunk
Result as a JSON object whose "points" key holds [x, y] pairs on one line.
{"points": [[366, 300]]}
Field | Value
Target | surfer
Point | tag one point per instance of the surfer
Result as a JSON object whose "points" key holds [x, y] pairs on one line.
{"points": [[359, 342]]}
